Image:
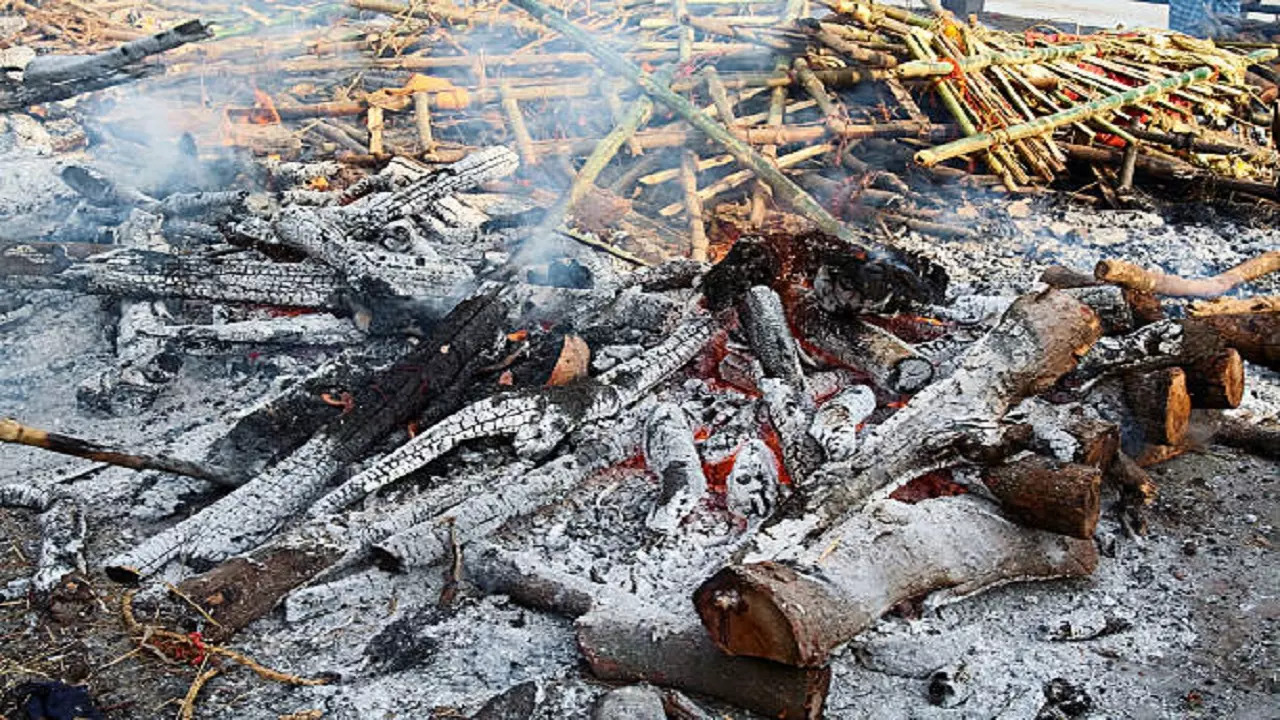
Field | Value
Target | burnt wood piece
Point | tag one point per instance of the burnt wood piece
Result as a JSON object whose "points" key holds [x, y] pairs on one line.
{"points": [[432, 377], [144, 274], [1193, 343], [890, 361], [50, 78], [240, 590], [43, 259], [11, 431], [770, 337], [1161, 404], [537, 420], [1218, 382], [62, 527], [670, 454], [1041, 493], [1062, 278], [790, 411], [1257, 439], [1035, 342], [835, 586], [625, 639], [1111, 304]]}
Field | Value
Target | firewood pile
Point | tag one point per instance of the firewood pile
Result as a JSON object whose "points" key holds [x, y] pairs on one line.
{"points": [[723, 448]]}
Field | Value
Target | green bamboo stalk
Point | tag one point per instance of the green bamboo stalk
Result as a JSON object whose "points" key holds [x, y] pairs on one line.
{"points": [[636, 115], [784, 189], [1048, 123]]}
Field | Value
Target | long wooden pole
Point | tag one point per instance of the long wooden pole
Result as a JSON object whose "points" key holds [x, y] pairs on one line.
{"points": [[784, 189], [1039, 126]]}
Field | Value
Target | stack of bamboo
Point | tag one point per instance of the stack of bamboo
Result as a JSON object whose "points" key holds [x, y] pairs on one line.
{"points": [[765, 103]]}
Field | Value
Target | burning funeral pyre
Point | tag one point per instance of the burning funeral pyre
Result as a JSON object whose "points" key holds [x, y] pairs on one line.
{"points": [[627, 359]]}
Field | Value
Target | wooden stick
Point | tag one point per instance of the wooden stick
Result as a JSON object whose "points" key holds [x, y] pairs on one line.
{"points": [[375, 125], [1259, 440], [422, 119], [11, 431], [785, 190], [1126, 274], [515, 120]]}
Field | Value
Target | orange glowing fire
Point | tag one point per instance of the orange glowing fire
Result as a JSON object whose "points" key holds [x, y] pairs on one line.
{"points": [[264, 110]]}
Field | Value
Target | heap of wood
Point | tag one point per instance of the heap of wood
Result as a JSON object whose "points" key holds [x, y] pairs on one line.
{"points": [[857, 113]]}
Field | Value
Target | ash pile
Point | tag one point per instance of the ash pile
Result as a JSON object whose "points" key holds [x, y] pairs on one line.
{"points": [[675, 360]]}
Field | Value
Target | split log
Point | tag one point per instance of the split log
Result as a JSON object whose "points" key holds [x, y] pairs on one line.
{"points": [[1035, 342], [49, 78], [835, 586], [240, 521], [670, 454], [1127, 274], [1255, 335], [1040, 493], [625, 639], [11, 431], [1161, 404], [891, 362]]}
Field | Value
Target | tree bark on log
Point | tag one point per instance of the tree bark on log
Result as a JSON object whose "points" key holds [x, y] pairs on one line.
{"points": [[626, 639], [1041, 493], [1217, 383], [239, 521], [1255, 335], [1161, 404], [837, 585], [1036, 341], [1129, 275], [1256, 439]]}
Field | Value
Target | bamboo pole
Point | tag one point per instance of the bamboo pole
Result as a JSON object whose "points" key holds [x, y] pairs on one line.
{"points": [[784, 189], [374, 121], [776, 115], [515, 120], [422, 119], [1039, 126], [733, 180]]}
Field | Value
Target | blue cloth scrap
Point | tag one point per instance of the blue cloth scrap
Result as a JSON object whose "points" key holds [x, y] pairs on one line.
{"points": [[56, 701], [1194, 17]]}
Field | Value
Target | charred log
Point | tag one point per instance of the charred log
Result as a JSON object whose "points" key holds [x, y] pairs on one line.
{"points": [[1161, 404], [240, 520]]}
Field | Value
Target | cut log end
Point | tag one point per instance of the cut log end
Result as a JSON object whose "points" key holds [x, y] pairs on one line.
{"points": [[741, 608], [1161, 404], [1218, 382]]}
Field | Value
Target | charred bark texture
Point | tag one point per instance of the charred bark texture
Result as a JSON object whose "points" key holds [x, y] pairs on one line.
{"points": [[54, 77], [1161, 404], [242, 519]]}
